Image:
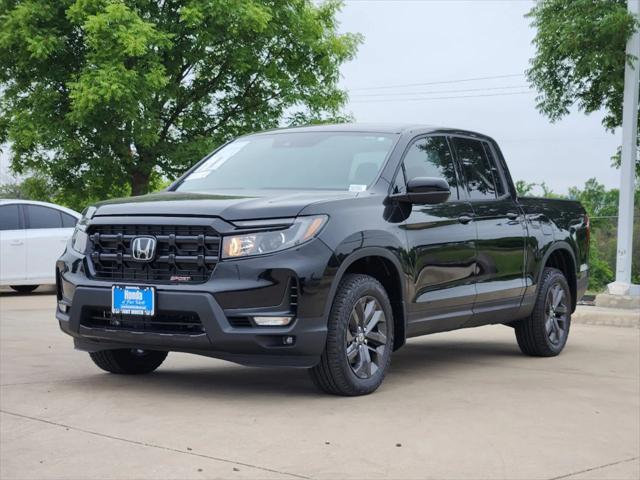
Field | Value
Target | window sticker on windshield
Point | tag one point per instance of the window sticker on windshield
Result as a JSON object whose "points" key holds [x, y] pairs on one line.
{"points": [[217, 160], [377, 139], [357, 188]]}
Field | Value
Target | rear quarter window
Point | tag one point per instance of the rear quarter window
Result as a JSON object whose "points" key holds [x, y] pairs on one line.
{"points": [[43, 217], [68, 221]]}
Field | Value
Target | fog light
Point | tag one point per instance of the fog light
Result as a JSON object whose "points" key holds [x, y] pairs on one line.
{"points": [[64, 308], [272, 321]]}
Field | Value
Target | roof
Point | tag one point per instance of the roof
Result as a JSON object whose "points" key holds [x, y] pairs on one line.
{"points": [[6, 201], [350, 127], [389, 128]]}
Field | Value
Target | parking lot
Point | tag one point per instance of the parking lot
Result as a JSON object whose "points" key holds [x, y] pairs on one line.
{"points": [[465, 404]]}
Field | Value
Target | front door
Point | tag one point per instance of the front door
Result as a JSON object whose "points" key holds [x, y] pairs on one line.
{"points": [[441, 240]]}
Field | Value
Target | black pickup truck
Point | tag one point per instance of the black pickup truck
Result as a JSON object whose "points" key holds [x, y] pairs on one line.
{"points": [[323, 248]]}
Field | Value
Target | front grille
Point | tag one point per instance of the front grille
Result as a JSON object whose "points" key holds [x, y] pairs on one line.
{"points": [[240, 322], [186, 323], [184, 254], [293, 296]]}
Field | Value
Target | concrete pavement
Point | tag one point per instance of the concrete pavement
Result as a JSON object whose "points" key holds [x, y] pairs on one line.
{"points": [[459, 405]]}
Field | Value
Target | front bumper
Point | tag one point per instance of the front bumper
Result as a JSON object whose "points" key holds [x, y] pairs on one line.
{"points": [[247, 287]]}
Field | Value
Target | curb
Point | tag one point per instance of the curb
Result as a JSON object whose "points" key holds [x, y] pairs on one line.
{"points": [[610, 317]]}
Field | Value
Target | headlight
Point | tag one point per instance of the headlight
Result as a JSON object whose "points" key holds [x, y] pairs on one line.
{"points": [[80, 238], [300, 231]]}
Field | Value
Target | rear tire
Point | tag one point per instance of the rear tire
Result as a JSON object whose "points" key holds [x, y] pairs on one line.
{"points": [[24, 288], [359, 339], [131, 361], [545, 332]]}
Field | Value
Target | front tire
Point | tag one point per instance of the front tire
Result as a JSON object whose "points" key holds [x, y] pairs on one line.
{"points": [[131, 361], [359, 339], [545, 332]]}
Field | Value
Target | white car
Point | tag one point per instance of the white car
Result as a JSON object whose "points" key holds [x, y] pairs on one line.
{"points": [[32, 237]]}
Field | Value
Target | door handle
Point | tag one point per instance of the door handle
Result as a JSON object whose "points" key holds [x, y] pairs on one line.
{"points": [[513, 215], [16, 243], [464, 219], [536, 217]]}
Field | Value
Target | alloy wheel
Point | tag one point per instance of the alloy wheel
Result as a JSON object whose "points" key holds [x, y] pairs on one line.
{"points": [[366, 337], [556, 314]]}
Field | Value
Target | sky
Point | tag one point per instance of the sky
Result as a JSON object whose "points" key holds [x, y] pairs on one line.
{"points": [[440, 42]]}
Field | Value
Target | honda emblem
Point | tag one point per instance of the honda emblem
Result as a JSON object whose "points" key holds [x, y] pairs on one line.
{"points": [[143, 249]]}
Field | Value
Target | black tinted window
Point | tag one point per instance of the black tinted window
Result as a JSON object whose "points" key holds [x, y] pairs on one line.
{"points": [[68, 221], [497, 177], [43, 217], [431, 157], [476, 168], [9, 217]]}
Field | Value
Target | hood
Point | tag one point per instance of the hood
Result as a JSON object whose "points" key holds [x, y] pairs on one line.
{"points": [[231, 206]]}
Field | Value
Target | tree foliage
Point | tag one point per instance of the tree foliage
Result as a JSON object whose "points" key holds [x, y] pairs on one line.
{"points": [[36, 187], [524, 188], [580, 57], [599, 202], [105, 96], [602, 207]]}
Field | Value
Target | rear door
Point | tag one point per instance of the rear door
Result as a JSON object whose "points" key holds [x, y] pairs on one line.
{"points": [[500, 232], [13, 252], [46, 238], [441, 243]]}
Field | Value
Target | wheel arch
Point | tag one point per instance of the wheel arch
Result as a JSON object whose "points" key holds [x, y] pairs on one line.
{"points": [[382, 265], [561, 256]]}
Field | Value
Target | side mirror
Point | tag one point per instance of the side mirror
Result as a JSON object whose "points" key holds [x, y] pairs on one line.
{"points": [[427, 190]]}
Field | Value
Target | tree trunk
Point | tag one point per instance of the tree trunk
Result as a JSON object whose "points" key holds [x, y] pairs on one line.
{"points": [[139, 182]]}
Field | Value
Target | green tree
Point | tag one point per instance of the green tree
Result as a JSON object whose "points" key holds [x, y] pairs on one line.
{"points": [[547, 191], [524, 188], [580, 57], [36, 187], [602, 207], [106, 97], [600, 203]]}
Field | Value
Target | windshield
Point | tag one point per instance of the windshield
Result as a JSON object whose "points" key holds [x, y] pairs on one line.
{"points": [[296, 160]]}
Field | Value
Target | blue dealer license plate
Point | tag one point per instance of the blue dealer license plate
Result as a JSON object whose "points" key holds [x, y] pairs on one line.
{"points": [[132, 300]]}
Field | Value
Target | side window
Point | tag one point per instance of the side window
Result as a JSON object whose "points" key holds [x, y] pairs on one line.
{"points": [[9, 217], [43, 217], [431, 157], [68, 221], [476, 168], [501, 189]]}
